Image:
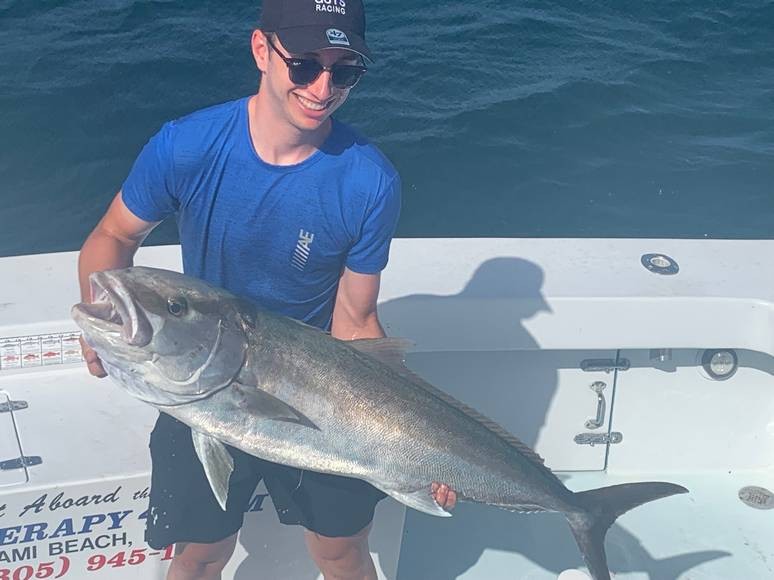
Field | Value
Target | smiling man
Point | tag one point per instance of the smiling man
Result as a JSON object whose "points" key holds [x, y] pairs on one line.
{"points": [[283, 205]]}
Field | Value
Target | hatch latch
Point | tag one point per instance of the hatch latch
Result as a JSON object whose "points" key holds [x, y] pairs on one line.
{"points": [[10, 406], [20, 463], [599, 438]]}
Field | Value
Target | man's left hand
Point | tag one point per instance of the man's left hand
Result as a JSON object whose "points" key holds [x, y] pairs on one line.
{"points": [[443, 495]]}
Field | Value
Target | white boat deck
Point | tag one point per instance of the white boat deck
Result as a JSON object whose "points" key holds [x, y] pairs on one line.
{"points": [[504, 325], [708, 535]]}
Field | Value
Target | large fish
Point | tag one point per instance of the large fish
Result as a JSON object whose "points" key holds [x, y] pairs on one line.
{"points": [[292, 394]]}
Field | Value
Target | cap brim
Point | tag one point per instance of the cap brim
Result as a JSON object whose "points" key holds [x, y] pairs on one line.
{"points": [[303, 39]]}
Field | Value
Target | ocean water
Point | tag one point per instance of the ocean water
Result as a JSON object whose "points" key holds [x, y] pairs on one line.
{"points": [[567, 118]]}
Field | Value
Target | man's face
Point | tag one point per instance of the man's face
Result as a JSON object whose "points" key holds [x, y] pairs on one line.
{"points": [[306, 107]]}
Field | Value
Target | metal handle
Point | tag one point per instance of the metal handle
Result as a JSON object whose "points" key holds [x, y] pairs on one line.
{"points": [[598, 387], [594, 365], [11, 406], [20, 463]]}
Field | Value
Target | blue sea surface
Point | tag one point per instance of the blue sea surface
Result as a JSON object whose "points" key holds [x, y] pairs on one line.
{"points": [[568, 118]]}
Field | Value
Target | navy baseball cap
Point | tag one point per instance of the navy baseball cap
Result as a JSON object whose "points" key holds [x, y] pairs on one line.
{"points": [[312, 25]]}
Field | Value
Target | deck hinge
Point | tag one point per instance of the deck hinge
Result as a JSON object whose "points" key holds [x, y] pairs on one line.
{"points": [[599, 438], [592, 365], [13, 406], [20, 463]]}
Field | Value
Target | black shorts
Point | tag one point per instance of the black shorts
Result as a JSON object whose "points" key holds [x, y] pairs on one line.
{"points": [[183, 508]]}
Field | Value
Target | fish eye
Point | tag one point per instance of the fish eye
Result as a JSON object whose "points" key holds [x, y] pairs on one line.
{"points": [[177, 306]]}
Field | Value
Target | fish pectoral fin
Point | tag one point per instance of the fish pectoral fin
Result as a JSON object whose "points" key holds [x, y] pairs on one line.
{"points": [[217, 462], [261, 404], [420, 500]]}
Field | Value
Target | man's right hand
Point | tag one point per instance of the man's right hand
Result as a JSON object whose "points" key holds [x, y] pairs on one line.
{"points": [[112, 244], [92, 360]]}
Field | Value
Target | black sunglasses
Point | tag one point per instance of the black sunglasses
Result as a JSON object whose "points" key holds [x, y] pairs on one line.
{"points": [[304, 71]]}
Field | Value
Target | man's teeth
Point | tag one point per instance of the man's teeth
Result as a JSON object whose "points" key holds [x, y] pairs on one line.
{"points": [[311, 104]]}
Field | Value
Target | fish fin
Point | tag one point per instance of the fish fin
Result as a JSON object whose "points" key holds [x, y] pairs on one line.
{"points": [[388, 350], [485, 421], [217, 463], [261, 404], [600, 508], [392, 352], [524, 509], [420, 500]]}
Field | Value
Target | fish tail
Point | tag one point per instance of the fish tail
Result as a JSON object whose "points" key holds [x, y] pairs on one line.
{"points": [[600, 508]]}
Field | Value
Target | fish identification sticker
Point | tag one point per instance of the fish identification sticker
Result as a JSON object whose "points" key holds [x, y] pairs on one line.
{"points": [[39, 350]]}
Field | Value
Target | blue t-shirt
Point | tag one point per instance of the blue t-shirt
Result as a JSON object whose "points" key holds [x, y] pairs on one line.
{"points": [[279, 236]]}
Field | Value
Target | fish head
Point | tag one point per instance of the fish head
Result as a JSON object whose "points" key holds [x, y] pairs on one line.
{"points": [[167, 338]]}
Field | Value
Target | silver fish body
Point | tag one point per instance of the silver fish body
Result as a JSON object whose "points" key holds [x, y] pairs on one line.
{"points": [[371, 421], [290, 393]]}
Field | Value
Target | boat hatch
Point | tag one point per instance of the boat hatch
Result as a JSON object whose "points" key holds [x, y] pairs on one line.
{"points": [[13, 465]]}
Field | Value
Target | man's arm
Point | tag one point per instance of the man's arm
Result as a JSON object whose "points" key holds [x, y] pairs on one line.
{"points": [[354, 317], [112, 244], [354, 313]]}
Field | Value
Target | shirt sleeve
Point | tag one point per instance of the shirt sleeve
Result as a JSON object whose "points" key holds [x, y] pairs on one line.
{"points": [[370, 251], [149, 190]]}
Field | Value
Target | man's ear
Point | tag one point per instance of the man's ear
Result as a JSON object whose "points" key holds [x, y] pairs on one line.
{"points": [[260, 47]]}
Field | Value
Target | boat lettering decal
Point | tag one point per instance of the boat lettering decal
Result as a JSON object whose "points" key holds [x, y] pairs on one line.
{"points": [[65, 535]]}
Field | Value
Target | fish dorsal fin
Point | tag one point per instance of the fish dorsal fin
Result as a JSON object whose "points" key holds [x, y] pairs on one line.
{"points": [[392, 352], [494, 427]]}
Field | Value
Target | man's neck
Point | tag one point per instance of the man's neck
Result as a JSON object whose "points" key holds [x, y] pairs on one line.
{"points": [[278, 142]]}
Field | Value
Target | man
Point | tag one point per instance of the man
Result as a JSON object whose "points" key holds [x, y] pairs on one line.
{"points": [[278, 203]]}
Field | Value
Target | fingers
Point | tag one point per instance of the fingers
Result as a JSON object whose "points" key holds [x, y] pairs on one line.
{"points": [[92, 360], [96, 369], [443, 495]]}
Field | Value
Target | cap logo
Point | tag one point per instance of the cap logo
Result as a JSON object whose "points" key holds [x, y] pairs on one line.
{"points": [[336, 36], [335, 6]]}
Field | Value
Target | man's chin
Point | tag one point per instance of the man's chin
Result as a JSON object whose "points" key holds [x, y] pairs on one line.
{"points": [[308, 125]]}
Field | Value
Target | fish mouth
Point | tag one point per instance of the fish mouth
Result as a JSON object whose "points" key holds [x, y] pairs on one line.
{"points": [[113, 312]]}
